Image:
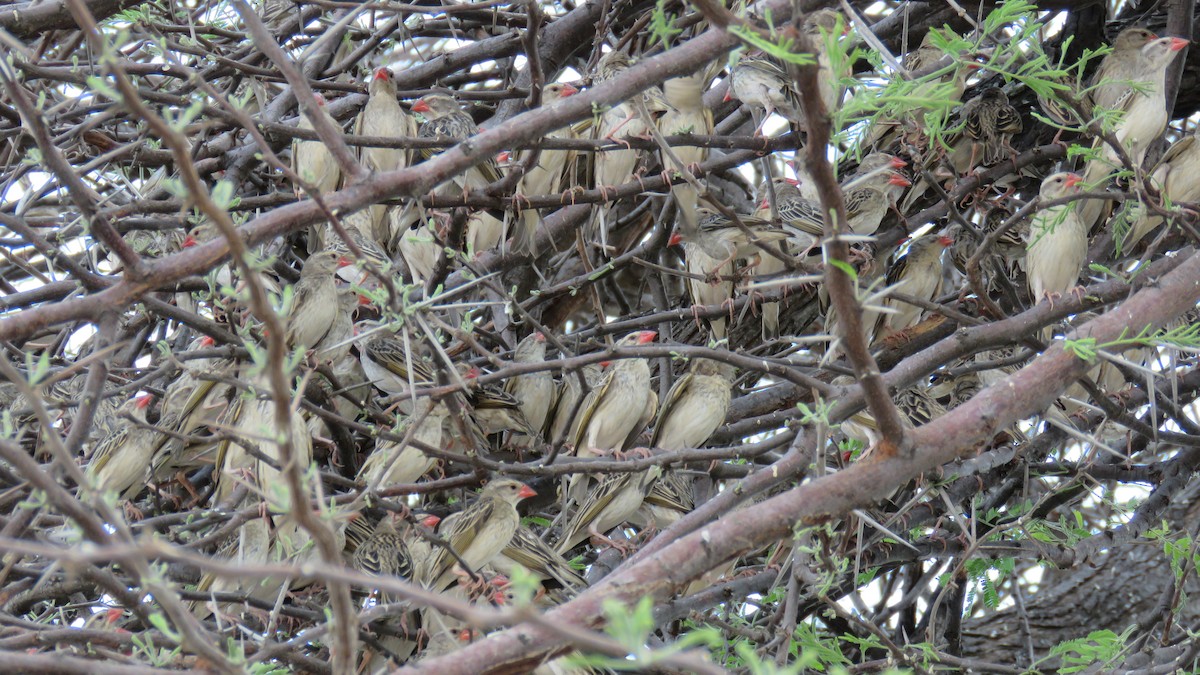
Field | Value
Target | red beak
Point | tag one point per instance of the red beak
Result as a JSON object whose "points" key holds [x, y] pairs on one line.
{"points": [[945, 241], [142, 401], [898, 163], [383, 74], [1178, 43], [899, 180], [363, 300], [420, 106], [675, 240], [569, 90], [1073, 180], [728, 97], [430, 521], [526, 492], [539, 337], [189, 241], [646, 336], [502, 157], [792, 181], [344, 262], [207, 341], [320, 99]]}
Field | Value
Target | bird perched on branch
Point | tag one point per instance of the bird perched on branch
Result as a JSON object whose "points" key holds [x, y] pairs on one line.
{"points": [[919, 273], [120, 460], [478, 533], [1134, 83], [395, 462], [1057, 241], [315, 304], [617, 404], [311, 160], [763, 83], [1177, 177], [383, 116], [445, 120], [534, 391], [694, 407], [547, 174]]}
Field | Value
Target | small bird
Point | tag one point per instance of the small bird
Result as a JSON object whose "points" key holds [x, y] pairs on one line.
{"points": [[823, 27], [546, 176], [529, 551], [614, 407], [535, 391], [335, 344], [787, 199], [444, 119], [495, 410], [1057, 241], [1110, 83], [617, 167], [687, 114], [478, 533], [385, 553], [382, 116], [315, 304], [312, 161], [722, 239], [763, 84], [120, 460], [868, 198], [607, 504], [565, 423], [702, 291], [1177, 177], [919, 273], [396, 463], [990, 122], [1142, 98], [694, 407], [390, 366]]}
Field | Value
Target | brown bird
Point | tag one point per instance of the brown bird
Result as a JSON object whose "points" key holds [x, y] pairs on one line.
{"points": [[823, 28], [445, 120], [383, 116], [919, 273], [565, 423], [396, 463], [478, 533], [1142, 98], [547, 175], [616, 405], [119, 462], [535, 391], [315, 304], [1057, 241], [721, 238], [763, 84], [529, 551], [389, 366], [694, 407], [610, 502], [312, 161], [990, 122], [1177, 177]]}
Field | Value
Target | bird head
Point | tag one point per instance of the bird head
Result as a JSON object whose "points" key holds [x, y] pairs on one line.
{"points": [[383, 73], [539, 337], [646, 336], [142, 402], [945, 241]]}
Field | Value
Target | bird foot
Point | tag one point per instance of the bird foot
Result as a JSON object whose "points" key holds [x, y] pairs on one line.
{"points": [[574, 191], [625, 548]]}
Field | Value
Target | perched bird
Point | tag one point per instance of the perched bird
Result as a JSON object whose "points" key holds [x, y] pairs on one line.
{"points": [[315, 304], [1177, 177], [119, 461], [919, 274], [349, 264], [990, 122], [534, 391], [529, 551], [868, 198], [722, 239], [702, 291], [694, 407], [398, 463], [335, 344], [312, 161], [614, 407], [1057, 241], [478, 533], [763, 84], [444, 119], [607, 504], [823, 27], [1141, 96], [495, 410], [565, 422], [390, 366], [382, 116], [547, 174], [617, 167], [687, 114], [1110, 83]]}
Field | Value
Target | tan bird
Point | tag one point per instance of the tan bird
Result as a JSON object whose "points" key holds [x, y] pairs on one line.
{"points": [[694, 407], [919, 273], [1177, 177], [312, 161], [1057, 241], [547, 175], [535, 391], [615, 406], [315, 303], [478, 533]]}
